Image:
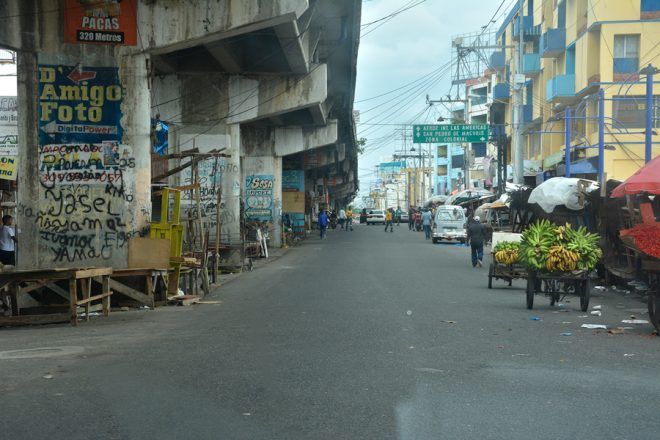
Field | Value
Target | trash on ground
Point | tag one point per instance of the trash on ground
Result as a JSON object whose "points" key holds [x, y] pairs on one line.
{"points": [[567, 334], [596, 313], [616, 331], [409, 312], [635, 321], [520, 354], [628, 355], [535, 318], [600, 287], [583, 316], [47, 376], [448, 322], [594, 326], [598, 307]]}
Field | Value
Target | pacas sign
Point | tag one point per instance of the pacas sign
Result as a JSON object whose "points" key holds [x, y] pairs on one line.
{"points": [[100, 21], [79, 104]]}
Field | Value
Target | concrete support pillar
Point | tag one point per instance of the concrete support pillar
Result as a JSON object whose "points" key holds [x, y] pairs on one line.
{"points": [[28, 177], [230, 215]]}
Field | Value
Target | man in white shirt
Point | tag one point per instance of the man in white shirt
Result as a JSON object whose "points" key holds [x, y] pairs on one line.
{"points": [[7, 242], [342, 217]]}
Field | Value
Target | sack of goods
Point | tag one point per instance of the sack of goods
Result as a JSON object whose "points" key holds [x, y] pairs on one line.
{"points": [[550, 248], [506, 252]]}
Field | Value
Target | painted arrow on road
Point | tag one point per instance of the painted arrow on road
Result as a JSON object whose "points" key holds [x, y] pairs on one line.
{"points": [[78, 74], [54, 128]]}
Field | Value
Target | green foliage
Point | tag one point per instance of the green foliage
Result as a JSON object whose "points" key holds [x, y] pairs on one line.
{"points": [[543, 235]]}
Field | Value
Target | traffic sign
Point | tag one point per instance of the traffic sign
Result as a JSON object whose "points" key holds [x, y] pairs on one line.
{"points": [[450, 133]]}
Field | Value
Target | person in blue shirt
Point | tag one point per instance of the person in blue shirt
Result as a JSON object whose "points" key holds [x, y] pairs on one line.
{"points": [[427, 219], [323, 223]]}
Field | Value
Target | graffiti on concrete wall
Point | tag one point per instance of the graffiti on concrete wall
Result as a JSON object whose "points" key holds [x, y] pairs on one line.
{"points": [[87, 175], [259, 197], [209, 177]]}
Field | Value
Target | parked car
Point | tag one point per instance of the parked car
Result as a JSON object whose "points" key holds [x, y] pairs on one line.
{"points": [[376, 216], [449, 224]]}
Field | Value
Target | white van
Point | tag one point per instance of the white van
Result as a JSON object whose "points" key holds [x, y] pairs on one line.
{"points": [[449, 224]]}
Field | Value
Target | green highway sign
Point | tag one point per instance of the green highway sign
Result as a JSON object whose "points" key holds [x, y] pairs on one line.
{"points": [[450, 133]]}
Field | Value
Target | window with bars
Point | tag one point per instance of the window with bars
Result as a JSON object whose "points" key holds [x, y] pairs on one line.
{"points": [[630, 112], [626, 53]]}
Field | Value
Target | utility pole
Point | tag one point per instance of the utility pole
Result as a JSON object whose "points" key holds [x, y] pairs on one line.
{"points": [[567, 141], [601, 136], [518, 161], [649, 71]]}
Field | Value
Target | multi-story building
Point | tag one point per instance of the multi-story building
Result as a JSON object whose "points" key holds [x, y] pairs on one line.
{"points": [[571, 50]]}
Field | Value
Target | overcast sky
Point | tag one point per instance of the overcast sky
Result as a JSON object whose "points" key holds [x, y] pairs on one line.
{"points": [[403, 49]]}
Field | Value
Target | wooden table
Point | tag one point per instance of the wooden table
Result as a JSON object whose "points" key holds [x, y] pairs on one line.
{"points": [[155, 282], [21, 282]]}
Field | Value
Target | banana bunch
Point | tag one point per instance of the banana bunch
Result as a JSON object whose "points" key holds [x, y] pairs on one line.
{"points": [[545, 246], [506, 252], [536, 242], [561, 259], [586, 245]]}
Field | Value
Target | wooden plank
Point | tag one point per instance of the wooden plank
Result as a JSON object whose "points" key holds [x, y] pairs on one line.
{"points": [[121, 273], [73, 299], [105, 288], [148, 252], [58, 290], [34, 319], [86, 300], [131, 293], [91, 273], [35, 286]]}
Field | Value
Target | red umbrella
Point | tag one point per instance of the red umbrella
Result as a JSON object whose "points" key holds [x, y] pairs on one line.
{"points": [[646, 179]]}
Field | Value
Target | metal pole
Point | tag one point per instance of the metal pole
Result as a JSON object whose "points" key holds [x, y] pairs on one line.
{"points": [[518, 159], [648, 140], [601, 136], [567, 141]]}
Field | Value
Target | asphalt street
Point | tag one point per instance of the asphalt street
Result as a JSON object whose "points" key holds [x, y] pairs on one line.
{"points": [[365, 335]]}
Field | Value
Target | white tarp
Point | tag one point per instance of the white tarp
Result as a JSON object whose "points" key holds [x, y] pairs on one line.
{"points": [[562, 191]]}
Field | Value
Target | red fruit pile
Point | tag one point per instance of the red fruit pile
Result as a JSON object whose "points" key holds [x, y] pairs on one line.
{"points": [[647, 238]]}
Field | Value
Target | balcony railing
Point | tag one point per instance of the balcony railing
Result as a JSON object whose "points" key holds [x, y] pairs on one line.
{"points": [[626, 65], [527, 113], [498, 60], [529, 30], [531, 64], [553, 43], [501, 92], [561, 86]]}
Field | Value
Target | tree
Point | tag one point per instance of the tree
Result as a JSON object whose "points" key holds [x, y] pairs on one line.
{"points": [[361, 143]]}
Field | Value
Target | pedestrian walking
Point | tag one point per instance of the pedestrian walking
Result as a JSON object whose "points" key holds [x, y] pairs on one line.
{"points": [[397, 216], [476, 237], [411, 218], [323, 223], [342, 218], [427, 219], [349, 218], [389, 220], [7, 242]]}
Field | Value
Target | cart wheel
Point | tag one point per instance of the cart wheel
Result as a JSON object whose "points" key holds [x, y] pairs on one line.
{"points": [[654, 308], [584, 298], [554, 298], [491, 269], [530, 292]]}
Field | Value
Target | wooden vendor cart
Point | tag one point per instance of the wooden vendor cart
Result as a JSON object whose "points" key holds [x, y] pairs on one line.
{"points": [[501, 271], [557, 285], [81, 292]]}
